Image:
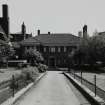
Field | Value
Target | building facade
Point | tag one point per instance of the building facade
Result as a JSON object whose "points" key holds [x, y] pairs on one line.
{"points": [[55, 48]]}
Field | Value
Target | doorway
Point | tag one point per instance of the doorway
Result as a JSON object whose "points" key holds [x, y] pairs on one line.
{"points": [[52, 62]]}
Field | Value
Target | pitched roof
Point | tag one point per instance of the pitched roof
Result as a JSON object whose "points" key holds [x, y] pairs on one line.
{"points": [[30, 41], [58, 39]]}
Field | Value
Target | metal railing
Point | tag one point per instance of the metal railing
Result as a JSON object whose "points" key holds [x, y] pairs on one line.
{"points": [[92, 86]]}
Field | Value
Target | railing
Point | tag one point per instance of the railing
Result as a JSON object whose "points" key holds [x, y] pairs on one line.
{"points": [[92, 86], [10, 87]]}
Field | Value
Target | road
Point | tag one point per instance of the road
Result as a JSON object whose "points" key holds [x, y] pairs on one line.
{"points": [[53, 89]]}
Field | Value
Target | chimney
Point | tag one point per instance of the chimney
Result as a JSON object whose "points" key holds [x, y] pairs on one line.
{"points": [[49, 33], [5, 10], [85, 32], [23, 30], [38, 32]]}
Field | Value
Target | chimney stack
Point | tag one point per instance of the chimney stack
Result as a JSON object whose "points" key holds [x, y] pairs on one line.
{"points": [[5, 11], [49, 33], [38, 32], [85, 32], [23, 29]]}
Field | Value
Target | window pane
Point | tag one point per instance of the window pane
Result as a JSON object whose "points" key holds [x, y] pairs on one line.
{"points": [[59, 49], [64, 49], [44, 49], [53, 49]]}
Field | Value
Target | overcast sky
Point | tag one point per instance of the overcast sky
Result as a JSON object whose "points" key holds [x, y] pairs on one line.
{"points": [[57, 16]]}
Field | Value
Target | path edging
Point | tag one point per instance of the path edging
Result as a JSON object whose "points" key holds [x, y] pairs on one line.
{"points": [[12, 100], [97, 99]]}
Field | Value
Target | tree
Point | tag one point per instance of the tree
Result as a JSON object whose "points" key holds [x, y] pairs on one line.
{"points": [[6, 51], [33, 56], [97, 48], [91, 51]]}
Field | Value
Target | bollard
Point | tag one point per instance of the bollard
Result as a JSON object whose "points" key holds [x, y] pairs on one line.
{"points": [[95, 85], [81, 77], [13, 83], [74, 74]]}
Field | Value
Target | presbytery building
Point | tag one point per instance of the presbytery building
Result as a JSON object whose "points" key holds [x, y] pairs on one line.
{"points": [[54, 47]]}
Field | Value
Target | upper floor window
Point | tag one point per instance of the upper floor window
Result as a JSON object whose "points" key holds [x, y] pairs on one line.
{"points": [[59, 49], [44, 49], [65, 49], [52, 49]]}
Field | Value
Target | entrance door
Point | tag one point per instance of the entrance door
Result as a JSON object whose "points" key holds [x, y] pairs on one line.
{"points": [[52, 62]]}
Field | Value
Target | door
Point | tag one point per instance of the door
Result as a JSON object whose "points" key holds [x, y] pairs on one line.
{"points": [[52, 62]]}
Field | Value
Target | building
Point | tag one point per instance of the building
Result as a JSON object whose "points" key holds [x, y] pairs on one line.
{"points": [[17, 37], [55, 48]]}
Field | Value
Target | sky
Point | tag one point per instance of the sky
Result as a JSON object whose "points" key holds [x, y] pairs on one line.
{"points": [[56, 16]]}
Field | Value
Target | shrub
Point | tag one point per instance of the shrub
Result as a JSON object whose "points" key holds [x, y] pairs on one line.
{"points": [[30, 73], [42, 67]]}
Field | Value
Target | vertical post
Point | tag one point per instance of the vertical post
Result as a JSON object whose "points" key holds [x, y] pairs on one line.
{"points": [[81, 77], [95, 84], [13, 83], [74, 74]]}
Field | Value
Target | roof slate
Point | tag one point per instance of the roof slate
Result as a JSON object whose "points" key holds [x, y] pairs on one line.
{"points": [[53, 40], [30, 41], [58, 39]]}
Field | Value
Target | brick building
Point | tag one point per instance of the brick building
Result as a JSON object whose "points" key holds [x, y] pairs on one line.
{"points": [[17, 37], [55, 48]]}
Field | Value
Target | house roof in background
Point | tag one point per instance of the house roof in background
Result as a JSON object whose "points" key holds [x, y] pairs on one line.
{"points": [[58, 39], [30, 41], [101, 33]]}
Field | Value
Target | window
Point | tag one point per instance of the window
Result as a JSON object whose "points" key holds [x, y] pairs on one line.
{"points": [[44, 49], [53, 49], [64, 49], [59, 49]]}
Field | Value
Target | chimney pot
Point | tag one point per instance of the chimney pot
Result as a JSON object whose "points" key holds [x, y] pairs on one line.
{"points": [[49, 33], [38, 32]]}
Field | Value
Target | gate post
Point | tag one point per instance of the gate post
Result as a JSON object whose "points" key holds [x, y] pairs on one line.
{"points": [[81, 77], [95, 85]]}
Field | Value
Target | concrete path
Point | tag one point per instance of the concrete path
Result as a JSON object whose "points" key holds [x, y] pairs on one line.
{"points": [[51, 90]]}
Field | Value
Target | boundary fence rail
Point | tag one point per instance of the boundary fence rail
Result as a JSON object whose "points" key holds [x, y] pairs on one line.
{"points": [[92, 86]]}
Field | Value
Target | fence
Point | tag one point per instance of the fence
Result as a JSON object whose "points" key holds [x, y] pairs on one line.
{"points": [[15, 84], [92, 86]]}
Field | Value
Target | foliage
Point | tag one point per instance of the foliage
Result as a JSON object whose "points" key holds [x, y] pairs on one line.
{"points": [[6, 50], [30, 72], [33, 56], [42, 67], [90, 51], [28, 75]]}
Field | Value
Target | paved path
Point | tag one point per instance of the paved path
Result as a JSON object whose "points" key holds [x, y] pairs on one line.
{"points": [[51, 90]]}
